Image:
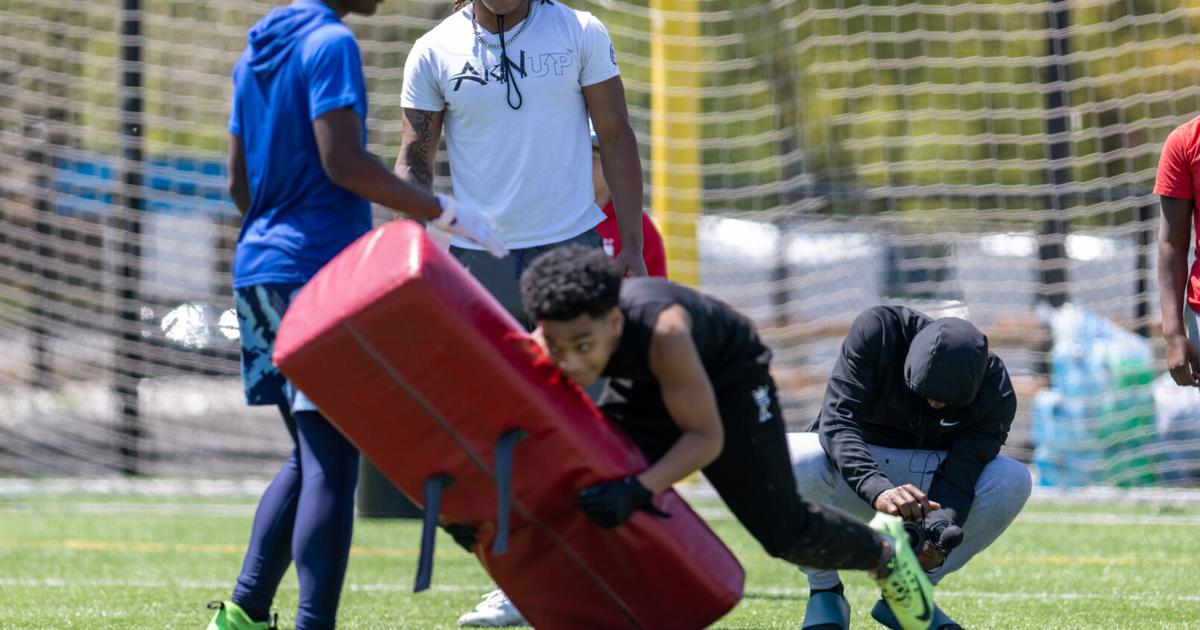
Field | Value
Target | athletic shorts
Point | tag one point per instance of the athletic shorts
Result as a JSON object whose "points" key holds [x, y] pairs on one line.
{"points": [[260, 308]]}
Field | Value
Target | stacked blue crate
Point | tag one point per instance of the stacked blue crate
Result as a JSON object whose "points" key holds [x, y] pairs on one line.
{"points": [[188, 186], [88, 187], [85, 189], [1095, 424]]}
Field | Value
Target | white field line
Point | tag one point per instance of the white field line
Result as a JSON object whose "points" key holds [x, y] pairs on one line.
{"points": [[198, 585], [245, 510], [253, 488], [142, 547], [402, 587], [1066, 518], [1040, 518], [114, 508], [1014, 596], [155, 487]]}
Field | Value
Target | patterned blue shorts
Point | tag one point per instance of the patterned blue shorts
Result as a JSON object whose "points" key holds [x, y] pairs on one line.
{"points": [[260, 308]]}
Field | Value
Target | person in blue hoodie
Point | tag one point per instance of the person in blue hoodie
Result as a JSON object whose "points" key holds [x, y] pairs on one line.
{"points": [[304, 182]]}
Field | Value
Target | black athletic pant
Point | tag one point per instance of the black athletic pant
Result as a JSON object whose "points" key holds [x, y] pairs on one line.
{"points": [[753, 473]]}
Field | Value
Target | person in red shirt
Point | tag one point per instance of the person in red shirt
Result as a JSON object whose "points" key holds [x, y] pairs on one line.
{"points": [[652, 243], [1178, 188]]}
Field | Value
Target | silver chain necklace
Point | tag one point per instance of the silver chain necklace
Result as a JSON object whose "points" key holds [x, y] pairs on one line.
{"points": [[507, 40]]}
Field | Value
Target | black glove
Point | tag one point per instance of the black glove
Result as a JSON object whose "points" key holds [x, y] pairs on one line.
{"points": [[464, 535], [941, 533], [611, 503]]}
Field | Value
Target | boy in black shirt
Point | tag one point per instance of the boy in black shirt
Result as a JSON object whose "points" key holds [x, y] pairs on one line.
{"points": [[690, 384]]}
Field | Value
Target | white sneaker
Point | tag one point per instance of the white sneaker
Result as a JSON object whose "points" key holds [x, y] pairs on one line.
{"points": [[495, 611]]}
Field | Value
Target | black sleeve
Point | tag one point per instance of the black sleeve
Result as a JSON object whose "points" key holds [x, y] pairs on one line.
{"points": [[975, 446], [848, 398]]}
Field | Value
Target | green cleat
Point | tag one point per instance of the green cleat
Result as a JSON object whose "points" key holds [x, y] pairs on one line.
{"points": [[905, 588], [883, 614], [230, 616]]}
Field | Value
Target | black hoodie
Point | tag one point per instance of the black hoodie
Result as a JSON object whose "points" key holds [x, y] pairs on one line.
{"points": [[893, 361]]}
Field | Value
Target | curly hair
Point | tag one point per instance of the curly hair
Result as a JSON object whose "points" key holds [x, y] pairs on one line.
{"points": [[570, 281]]}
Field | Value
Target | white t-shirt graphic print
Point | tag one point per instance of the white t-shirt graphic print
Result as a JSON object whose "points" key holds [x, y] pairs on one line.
{"points": [[529, 169]]}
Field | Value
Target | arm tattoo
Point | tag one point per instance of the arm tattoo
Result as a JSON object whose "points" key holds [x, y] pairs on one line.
{"points": [[420, 149]]}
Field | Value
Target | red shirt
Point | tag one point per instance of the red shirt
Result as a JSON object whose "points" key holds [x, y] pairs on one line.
{"points": [[652, 243], [1179, 177]]}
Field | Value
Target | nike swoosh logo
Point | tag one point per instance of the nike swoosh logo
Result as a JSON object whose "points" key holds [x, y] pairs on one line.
{"points": [[949, 424], [924, 602]]}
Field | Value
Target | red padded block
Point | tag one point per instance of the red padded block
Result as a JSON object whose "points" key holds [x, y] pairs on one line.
{"points": [[418, 366]]}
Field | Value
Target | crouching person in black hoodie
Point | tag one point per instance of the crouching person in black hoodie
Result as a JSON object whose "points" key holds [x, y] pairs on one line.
{"points": [[914, 416]]}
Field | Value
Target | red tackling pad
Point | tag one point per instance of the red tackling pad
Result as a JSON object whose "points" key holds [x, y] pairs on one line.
{"points": [[424, 371]]}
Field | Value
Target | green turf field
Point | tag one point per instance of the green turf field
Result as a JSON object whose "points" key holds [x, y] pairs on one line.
{"points": [[128, 562]]}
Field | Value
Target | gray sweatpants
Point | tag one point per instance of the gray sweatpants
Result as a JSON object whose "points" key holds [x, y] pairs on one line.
{"points": [[1000, 493]]}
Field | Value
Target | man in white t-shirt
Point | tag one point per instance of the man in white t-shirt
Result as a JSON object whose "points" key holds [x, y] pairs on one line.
{"points": [[512, 82]]}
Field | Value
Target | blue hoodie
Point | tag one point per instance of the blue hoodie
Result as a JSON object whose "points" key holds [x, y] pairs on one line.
{"points": [[300, 63]]}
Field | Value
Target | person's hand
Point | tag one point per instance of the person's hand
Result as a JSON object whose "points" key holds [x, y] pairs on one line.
{"points": [[906, 501], [1183, 361], [611, 503], [631, 263], [470, 223]]}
